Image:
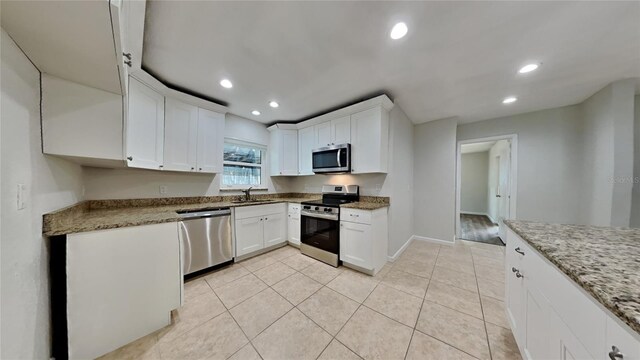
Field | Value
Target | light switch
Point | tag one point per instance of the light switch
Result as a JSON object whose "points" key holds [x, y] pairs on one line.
{"points": [[22, 193]]}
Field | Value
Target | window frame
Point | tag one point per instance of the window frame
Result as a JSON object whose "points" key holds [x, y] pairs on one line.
{"points": [[262, 165]]}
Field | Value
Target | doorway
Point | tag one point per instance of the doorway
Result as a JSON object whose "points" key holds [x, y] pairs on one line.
{"points": [[485, 191]]}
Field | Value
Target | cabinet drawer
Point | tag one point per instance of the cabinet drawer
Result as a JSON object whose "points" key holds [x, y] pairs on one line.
{"points": [[356, 216], [244, 212], [294, 209]]}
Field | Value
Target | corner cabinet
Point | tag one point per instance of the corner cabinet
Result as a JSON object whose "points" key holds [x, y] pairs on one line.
{"points": [[144, 127], [259, 227], [552, 317], [364, 239]]}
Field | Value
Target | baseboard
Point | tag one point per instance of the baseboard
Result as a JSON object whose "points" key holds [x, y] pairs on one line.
{"points": [[404, 247], [433, 240]]}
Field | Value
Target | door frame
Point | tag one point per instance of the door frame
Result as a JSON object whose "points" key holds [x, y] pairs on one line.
{"points": [[513, 174]]}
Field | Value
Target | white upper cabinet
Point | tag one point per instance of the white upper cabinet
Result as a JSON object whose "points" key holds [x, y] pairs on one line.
{"points": [[145, 127], [323, 134], [370, 141], [283, 152], [306, 144], [180, 136], [210, 141], [341, 130]]}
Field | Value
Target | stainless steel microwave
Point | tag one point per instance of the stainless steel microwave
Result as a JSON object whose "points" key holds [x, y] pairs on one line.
{"points": [[332, 159]]}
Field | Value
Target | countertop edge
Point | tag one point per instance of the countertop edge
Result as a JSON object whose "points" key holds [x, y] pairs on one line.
{"points": [[633, 323]]}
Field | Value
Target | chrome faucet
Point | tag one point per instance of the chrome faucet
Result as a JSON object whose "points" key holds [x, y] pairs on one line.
{"points": [[247, 194]]}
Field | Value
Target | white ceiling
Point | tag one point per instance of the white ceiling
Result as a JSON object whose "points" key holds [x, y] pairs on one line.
{"points": [[459, 59], [476, 147]]}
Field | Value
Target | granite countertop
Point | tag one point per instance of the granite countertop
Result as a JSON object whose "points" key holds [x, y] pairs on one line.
{"points": [[604, 261], [109, 214]]}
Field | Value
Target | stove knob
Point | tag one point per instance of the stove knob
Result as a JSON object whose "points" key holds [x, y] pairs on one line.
{"points": [[306, 207], [327, 210], [317, 208]]}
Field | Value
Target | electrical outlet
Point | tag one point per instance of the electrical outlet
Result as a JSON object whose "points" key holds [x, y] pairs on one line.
{"points": [[22, 193], [163, 189]]}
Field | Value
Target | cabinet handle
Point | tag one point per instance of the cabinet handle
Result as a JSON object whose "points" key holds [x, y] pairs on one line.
{"points": [[519, 251], [193, 168], [130, 158], [161, 166], [265, 219], [128, 62], [615, 353], [200, 169], [127, 55], [517, 272]]}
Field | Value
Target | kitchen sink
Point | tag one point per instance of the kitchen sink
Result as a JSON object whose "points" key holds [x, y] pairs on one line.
{"points": [[251, 201]]}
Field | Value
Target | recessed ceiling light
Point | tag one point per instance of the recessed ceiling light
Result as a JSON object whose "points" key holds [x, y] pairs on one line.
{"points": [[274, 104], [509, 100], [398, 31], [255, 112], [528, 68], [225, 83]]}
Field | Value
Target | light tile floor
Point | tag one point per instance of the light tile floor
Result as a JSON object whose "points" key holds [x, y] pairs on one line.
{"points": [[434, 302]]}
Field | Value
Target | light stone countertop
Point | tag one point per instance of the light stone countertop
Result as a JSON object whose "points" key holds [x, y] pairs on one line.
{"points": [[110, 214], [604, 261]]}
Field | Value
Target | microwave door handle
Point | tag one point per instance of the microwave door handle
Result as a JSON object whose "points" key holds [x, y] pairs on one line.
{"points": [[338, 157]]}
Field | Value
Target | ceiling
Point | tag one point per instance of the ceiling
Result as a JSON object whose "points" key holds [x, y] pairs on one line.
{"points": [[459, 59], [476, 147]]}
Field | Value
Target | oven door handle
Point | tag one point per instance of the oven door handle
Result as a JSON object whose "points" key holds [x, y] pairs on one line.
{"points": [[321, 216]]}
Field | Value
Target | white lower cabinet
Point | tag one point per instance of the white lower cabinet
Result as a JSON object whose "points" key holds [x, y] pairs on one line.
{"points": [[258, 227], [121, 284], [249, 235], [551, 317], [293, 224], [364, 239]]}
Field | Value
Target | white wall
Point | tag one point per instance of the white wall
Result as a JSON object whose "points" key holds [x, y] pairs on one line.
{"points": [[474, 182], [434, 179], [635, 204], [397, 184], [549, 161], [607, 118], [51, 184], [102, 183]]}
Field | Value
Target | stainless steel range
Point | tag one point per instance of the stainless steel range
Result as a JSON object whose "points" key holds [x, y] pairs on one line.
{"points": [[320, 223]]}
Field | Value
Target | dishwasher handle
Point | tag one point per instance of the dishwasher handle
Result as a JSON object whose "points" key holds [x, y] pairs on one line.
{"points": [[205, 214]]}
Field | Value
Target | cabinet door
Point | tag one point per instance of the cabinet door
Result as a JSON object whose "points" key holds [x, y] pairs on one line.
{"points": [[366, 142], [275, 229], [249, 235], [293, 226], [289, 152], [565, 345], [356, 246], [145, 127], [306, 144], [622, 339], [341, 130], [536, 324], [323, 134], [514, 295], [180, 136], [210, 141]]}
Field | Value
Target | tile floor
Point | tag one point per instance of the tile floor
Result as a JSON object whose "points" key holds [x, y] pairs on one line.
{"points": [[434, 302]]}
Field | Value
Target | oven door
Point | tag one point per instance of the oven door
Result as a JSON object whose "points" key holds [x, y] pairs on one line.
{"points": [[332, 159], [320, 233]]}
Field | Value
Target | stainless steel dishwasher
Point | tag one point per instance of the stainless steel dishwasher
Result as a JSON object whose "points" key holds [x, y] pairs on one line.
{"points": [[205, 236]]}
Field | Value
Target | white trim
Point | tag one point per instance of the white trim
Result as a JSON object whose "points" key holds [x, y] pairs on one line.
{"points": [[433, 240], [513, 175], [394, 257]]}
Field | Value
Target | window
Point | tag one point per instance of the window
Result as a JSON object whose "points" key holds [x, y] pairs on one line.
{"points": [[243, 165]]}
